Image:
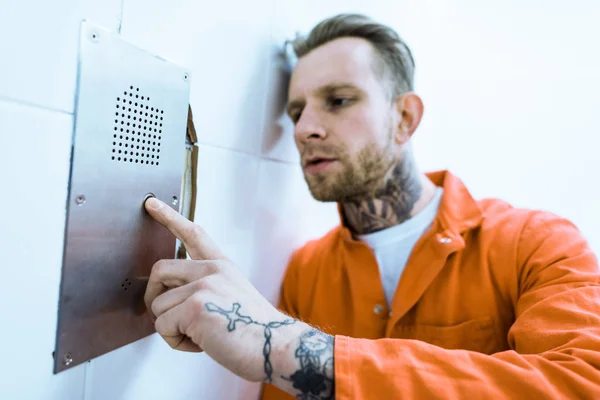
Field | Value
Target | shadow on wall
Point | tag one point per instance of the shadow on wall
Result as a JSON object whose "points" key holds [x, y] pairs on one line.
{"points": [[277, 236], [276, 117]]}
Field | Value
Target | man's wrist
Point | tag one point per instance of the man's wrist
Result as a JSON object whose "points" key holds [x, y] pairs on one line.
{"points": [[303, 361]]}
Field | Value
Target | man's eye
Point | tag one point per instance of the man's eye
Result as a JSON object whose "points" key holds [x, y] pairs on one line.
{"points": [[339, 101]]}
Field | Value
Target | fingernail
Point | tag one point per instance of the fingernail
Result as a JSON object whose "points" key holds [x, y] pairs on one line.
{"points": [[154, 204]]}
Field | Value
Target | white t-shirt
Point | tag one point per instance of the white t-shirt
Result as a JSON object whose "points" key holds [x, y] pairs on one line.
{"points": [[392, 246]]}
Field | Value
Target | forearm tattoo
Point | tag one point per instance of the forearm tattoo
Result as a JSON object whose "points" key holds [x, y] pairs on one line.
{"points": [[315, 377], [234, 317]]}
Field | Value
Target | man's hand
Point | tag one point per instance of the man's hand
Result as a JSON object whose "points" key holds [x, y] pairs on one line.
{"points": [[207, 304]]}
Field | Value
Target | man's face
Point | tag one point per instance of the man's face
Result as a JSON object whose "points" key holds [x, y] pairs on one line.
{"points": [[344, 119]]}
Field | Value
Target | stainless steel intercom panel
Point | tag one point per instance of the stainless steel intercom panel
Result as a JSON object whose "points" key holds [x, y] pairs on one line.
{"points": [[128, 143]]}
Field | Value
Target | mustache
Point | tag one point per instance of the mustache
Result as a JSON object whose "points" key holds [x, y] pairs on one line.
{"points": [[328, 149]]}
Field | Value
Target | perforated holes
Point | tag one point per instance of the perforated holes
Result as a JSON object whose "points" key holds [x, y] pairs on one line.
{"points": [[135, 111], [125, 285]]}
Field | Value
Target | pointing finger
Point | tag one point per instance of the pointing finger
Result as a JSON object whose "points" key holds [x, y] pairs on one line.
{"points": [[196, 240]]}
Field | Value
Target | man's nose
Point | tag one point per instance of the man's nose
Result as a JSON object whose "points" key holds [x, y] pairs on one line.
{"points": [[309, 126]]}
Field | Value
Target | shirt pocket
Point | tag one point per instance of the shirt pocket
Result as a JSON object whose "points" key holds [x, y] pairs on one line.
{"points": [[474, 335]]}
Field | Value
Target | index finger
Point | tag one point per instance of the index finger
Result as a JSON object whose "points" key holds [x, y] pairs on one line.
{"points": [[197, 242]]}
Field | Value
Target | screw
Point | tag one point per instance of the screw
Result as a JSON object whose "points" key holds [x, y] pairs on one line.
{"points": [[79, 200], [185, 76], [174, 202], [94, 36], [68, 359]]}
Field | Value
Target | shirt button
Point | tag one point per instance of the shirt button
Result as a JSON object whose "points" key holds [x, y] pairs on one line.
{"points": [[445, 240], [378, 309]]}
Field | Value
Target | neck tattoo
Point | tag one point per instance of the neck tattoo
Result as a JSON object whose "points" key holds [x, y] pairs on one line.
{"points": [[391, 205]]}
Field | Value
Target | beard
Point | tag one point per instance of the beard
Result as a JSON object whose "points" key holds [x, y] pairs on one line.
{"points": [[361, 176]]}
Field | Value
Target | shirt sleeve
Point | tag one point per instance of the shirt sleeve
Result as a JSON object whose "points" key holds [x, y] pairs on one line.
{"points": [[554, 341]]}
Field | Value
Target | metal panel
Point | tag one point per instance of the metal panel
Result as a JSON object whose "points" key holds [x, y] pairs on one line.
{"points": [[129, 140]]}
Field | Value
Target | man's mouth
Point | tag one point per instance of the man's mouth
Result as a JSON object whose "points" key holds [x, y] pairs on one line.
{"points": [[317, 164]]}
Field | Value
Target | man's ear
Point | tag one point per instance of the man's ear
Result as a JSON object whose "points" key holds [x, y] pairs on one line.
{"points": [[410, 109]]}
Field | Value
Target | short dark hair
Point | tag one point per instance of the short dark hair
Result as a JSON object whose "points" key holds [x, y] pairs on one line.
{"points": [[395, 60]]}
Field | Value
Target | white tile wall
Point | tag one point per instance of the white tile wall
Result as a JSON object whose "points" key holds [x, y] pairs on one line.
{"points": [[286, 217], [150, 370], [39, 41], [226, 203], [510, 100], [226, 46], [34, 166]]}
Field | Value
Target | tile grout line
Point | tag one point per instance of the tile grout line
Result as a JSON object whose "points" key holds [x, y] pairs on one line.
{"points": [[292, 163], [261, 157], [87, 381], [9, 100], [200, 144], [23, 103], [121, 17], [258, 154]]}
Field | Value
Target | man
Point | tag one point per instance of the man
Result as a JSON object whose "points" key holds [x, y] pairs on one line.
{"points": [[421, 292]]}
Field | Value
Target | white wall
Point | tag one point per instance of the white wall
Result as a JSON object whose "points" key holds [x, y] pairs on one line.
{"points": [[511, 98]]}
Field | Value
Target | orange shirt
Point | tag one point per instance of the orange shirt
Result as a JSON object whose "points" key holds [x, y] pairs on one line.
{"points": [[495, 302]]}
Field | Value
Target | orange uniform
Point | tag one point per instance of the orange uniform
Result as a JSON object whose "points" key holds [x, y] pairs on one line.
{"points": [[495, 302]]}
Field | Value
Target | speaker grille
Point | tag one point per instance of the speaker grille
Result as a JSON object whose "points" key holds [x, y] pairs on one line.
{"points": [[138, 129]]}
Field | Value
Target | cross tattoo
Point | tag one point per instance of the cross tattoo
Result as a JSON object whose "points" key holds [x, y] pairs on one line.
{"points": [[233, 316]]}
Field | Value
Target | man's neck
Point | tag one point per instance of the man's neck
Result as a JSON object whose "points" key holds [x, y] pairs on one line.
{"points": [[405, 194]]}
